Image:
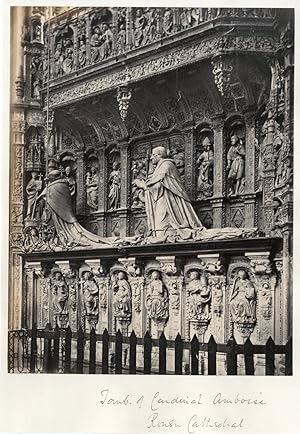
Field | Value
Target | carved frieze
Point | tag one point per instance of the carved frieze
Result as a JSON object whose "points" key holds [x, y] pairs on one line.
{"points": [[174, 59]]}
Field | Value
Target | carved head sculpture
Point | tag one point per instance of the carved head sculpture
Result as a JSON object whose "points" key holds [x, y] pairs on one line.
{"points": [[88, 275], [234, 140], [155, 275], [242, 275], [115, 165], [194, 275], [53, 175], [158, 154], [34, 175], [138, 12], [58, 275], [121, 275], [207, 144], [93, 170], [68, 170], [96, 30]]}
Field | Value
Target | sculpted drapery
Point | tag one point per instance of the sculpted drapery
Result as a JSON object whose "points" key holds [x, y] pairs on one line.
{"points": [[167, 203]]}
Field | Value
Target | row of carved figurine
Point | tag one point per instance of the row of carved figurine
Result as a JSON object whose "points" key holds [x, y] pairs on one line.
{"points": [[98, 37], [86, 291], [205, 164]]}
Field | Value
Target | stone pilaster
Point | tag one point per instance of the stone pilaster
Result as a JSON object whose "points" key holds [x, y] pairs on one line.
{"points": [[32, 273], [174, 283], [125, 188], [219, 173], [250, 153], [250, 210], [190, 162], [102, 189], [265, 279], [213, 267]]}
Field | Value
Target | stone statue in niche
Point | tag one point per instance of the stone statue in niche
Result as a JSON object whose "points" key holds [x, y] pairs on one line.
{"points": [[90, 294], [185, 18], [60, 293], [150, 30], [68, 54], [101, 42], [121, 39], [71, 182], [33, 188], [36, 32], [167, 23], [92, 182], [236, 166], [242, 304], [58, 60], [139, 26], [138, 170], [199, 297], [36, 70], [114, 182], [205, 164], [122, 299], [81, 53], [157, 299], [177, 156]]}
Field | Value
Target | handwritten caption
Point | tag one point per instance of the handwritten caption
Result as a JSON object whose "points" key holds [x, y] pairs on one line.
{"points": [[194, 406]]}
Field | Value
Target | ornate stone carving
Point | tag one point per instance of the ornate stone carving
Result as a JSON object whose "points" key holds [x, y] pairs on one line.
{"points": [[165, 62], [139, 175], [199, 297], [222, 70], [101, 41], [122, 297], [34, 157], [36, 70], [157, 300], [92, 186], [63, 58], [242, 303], [60, 295], [114, 181], [33, 189], [236, 166], [145, 26], [90, 297], [205, 164]]}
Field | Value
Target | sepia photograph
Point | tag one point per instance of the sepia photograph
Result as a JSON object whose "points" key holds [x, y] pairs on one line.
{"points": [[151, 190]]}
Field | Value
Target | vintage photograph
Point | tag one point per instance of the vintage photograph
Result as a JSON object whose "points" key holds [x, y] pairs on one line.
{"points": [[151, 190]]}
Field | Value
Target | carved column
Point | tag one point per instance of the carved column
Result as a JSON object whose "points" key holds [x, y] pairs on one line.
{"points": [[90, 320], [174, 283], [190, 162], [16, 216], [80, 187], [32, 272], [71, 278], [250, 197], [102, 191], [88, 39], [136, 281], [214, 268], [125, 186], [265, 288], [219, 173], [129, 29]]}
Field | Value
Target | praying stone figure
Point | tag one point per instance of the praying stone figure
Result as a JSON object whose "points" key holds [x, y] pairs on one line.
{"points": [[122, 297], [114, 181], [199, 297], [33, 189], [167, 203], [90, 294], [92, 182], [205, 162], [157, 301], [236, 166], [242, 305], [60, 293]]}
